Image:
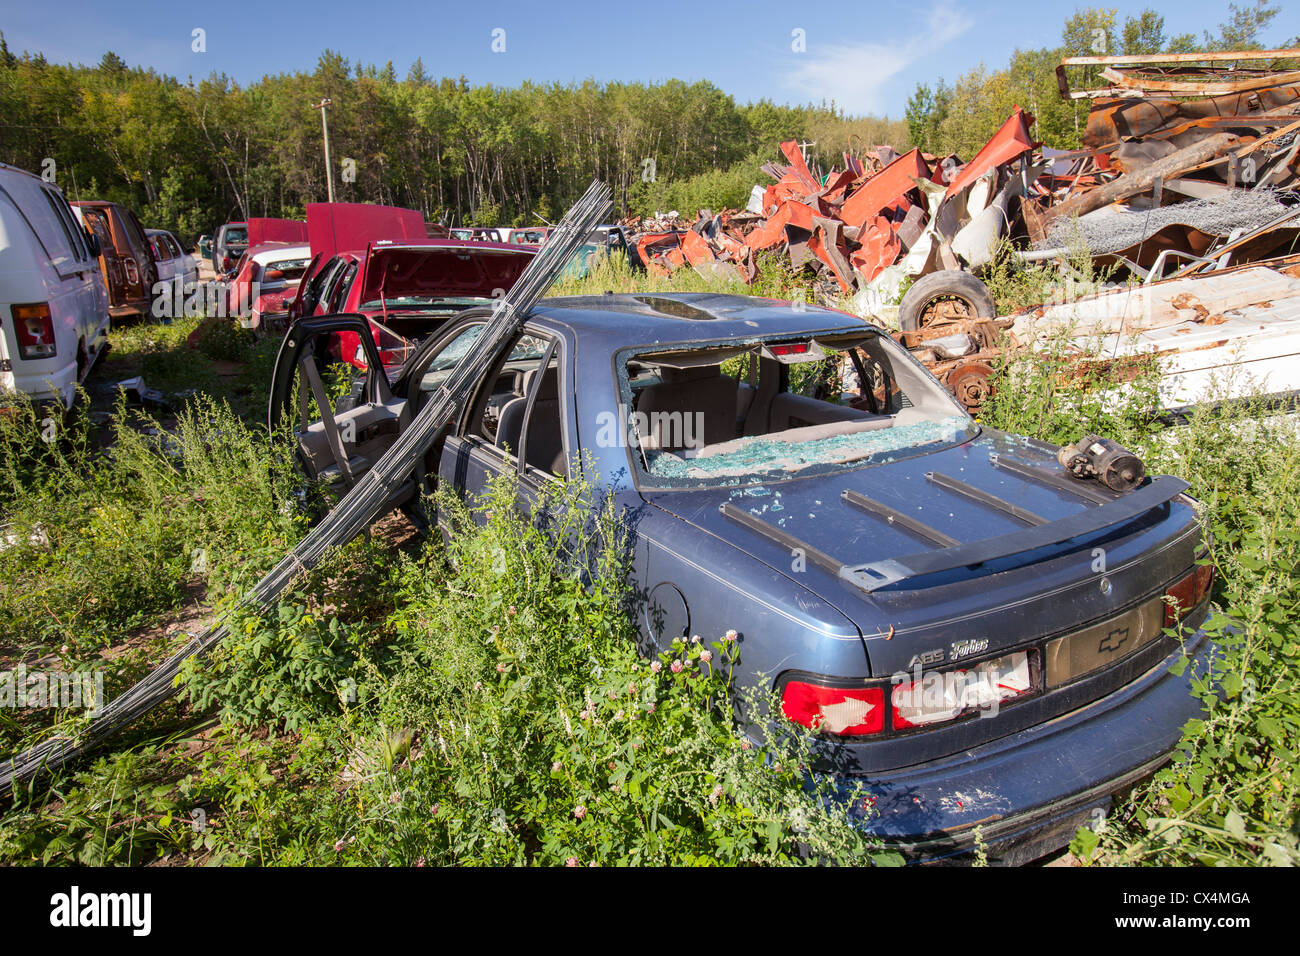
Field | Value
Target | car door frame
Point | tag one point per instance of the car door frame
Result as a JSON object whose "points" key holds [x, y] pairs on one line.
{"points": [[464, 452], [376, 391]]}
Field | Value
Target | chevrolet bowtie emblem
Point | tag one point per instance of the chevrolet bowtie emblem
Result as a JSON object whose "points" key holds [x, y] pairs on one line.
{"points": [[1114, 640]]}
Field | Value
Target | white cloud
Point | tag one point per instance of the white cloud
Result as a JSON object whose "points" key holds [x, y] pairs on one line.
{"points": [[854, 75]]}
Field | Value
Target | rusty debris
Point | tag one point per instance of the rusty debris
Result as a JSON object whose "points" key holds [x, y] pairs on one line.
{"points": [[1170, 127], [1189, 166], [848, 225]]}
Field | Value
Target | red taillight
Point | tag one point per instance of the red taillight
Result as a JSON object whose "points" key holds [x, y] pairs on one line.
{"points": [[35, 328], [1187, 592], [132, 271], [946, 695], [800, 348], [846, 711]]}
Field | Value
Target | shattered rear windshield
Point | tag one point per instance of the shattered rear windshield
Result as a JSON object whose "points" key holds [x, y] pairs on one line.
{"points": [[735, 414]]}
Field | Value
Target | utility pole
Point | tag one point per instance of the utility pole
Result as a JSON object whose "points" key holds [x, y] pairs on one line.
{"points": [[325, 126]]}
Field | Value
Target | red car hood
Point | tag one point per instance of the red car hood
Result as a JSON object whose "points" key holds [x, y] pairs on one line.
{"points": [[290, 231], [443, 268], [334, 227]]}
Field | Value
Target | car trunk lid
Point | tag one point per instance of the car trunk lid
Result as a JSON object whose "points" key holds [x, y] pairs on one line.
{"points": [[442, 268], [988, 541]]}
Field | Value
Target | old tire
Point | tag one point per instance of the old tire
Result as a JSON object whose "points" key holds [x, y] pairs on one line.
{"points": [[956, 291]]}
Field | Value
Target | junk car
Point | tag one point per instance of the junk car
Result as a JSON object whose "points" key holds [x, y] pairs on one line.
{"points": [[54, 304], [125, 258], [230, 242], [991, 647]]}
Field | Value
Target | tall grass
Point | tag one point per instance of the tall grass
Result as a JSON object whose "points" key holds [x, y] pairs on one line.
{"points": [[498, 714], [101, 539], [1230, 795]]}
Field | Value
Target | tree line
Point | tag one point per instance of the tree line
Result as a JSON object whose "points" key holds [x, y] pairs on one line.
{"points": [[191, 155]]}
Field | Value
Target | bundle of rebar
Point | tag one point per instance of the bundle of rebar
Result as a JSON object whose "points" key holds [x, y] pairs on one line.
{"points": [[354, 512]]}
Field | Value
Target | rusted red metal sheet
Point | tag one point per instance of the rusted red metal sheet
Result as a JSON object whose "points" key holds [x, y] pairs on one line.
{"points": [[799, 166], [827, 244], [879, 247], [884, 189], [772, 232], [1008, 143], [696, 249], [651, 245], [838, 183]]}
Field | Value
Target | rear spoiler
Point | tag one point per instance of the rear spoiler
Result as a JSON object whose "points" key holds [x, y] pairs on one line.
{"points": [[1106, 511]]}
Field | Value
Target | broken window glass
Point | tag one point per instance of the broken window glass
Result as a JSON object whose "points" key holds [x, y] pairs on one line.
{"points": [[772, 409]]}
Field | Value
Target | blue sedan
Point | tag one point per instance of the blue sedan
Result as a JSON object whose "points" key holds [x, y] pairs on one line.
{"points": [[981, 639]]}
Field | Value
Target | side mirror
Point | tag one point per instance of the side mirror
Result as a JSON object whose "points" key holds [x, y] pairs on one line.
{"points": [[92, 241]]}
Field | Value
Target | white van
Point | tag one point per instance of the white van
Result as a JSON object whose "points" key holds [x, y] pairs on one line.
{"points": [[53, 301]]}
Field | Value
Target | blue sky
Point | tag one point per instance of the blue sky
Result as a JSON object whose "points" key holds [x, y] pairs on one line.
{"points": [[866, 56]]}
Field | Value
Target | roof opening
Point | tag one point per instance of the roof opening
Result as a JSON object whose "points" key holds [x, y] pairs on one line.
{"points": [[675, 308]]}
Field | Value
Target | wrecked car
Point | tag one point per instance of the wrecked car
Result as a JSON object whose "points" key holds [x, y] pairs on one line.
{"points": [[267, 278], [228, 246], [477, 233], [125, 257], [375, 261], [981, 640], [530, 236], [177, 271]]}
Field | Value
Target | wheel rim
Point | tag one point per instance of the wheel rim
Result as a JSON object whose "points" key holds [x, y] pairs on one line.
{"points": [[948, 307], [971, 384]]}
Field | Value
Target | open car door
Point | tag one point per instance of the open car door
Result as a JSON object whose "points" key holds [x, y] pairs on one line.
{"points": [[338, 438]]}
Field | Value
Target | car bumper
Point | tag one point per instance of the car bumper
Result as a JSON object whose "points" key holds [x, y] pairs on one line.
{"points": [[1028, 793], [48, 386], [130, 309]]}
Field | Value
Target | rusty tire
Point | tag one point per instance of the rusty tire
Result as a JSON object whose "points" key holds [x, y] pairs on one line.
{"points": [[950, 294]]}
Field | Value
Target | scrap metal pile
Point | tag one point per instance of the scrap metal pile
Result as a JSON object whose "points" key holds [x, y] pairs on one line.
{"points": [[1189, 163], [1181, 151], [866, 226]]}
